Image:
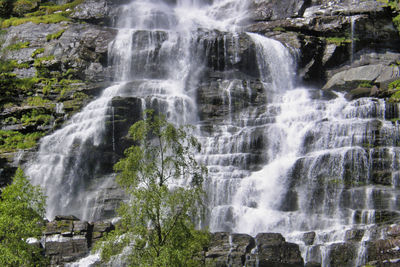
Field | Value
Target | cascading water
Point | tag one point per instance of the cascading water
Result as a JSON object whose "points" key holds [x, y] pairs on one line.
{"points": [[280, 158], [153, 62]]}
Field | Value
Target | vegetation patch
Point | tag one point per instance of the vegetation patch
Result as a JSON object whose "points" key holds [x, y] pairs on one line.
{"points": [[36, 117], [37, 101], [278, 29], [37, 52], [55, 36], [395, 6], [46, 19], [45, 13], [10, 65], [18, 46], [337, 40], [394, 85], [11, 141], [395, 97], [366, 84]]}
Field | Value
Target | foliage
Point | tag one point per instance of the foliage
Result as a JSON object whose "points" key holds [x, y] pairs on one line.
{"points": [[394, 85], [21, 217], [36, 116], [11, 141], [37, 101], [157, 222], [54, 36], [10, 65], [395, 6]]}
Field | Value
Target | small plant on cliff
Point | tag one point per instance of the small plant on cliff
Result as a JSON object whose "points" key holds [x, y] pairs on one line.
{"points": [[164, 183], [21, 219]]}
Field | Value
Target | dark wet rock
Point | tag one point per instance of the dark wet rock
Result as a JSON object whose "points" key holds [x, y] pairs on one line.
{"points": [[95, 11], [309, 238], [273, 250], [66, 217], [354, 235], [312, 264], [336, 34], [68, 239], [278, 9], [343, 254], [242, 250], [78, 48]]}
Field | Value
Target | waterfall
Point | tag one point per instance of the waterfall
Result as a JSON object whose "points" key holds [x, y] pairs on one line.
{"points": [[281, 158], [353, 21], [154, 60]]}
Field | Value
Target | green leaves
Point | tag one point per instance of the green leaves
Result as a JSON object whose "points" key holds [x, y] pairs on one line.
{"points": [[22, 208], [164, 182]]}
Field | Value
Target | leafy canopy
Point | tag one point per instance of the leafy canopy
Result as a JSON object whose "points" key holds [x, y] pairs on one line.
{"points": [[22, 208], [164, 182]]}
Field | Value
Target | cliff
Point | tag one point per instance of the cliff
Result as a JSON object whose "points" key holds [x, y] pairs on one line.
{"points": [[58, 59]]}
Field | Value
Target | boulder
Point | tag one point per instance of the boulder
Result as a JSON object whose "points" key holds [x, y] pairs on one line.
{"points": [[67, 239], [96, 11], [309, 238], [273, 250], [343, 254], [348, 79]]}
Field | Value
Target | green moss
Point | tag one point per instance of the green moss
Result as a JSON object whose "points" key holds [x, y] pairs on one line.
{"points": [[46, 19], [396, 22], [395, 97], [37, 52], [10, 65], [11, 141], [37, 101], [278, 29], [80, 96], [36, 117], [18, 46], [26, 83], [337, 40], [394, 85], [42, 69], [39, 61], [9, 105], [10, 120], [366, 84], [54, 36]]}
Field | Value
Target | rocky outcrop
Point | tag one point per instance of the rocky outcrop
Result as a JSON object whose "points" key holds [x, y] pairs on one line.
{"points": [[341, 42], [266, 249], [68, 239], [49, 71]]}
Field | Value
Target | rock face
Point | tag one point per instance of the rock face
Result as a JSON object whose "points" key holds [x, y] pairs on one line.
{"points": [[68, 239], [267, 249], [343, 45], [63, 65], [338, 40]]}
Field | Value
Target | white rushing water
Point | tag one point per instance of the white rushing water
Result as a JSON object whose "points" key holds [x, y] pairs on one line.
{"points": [[152, 59], [281, 158]]}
